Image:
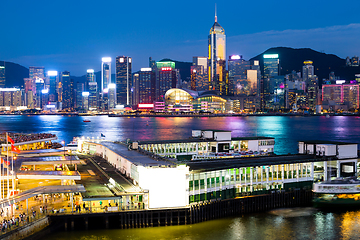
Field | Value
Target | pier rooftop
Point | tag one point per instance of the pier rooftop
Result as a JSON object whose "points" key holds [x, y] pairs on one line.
{"points": [[189, 140], [145, 159]]}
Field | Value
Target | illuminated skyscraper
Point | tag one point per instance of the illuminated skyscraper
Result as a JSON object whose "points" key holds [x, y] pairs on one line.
{"points": [[105, 81], [199, 77], [67, 93], [37, 72], [112, 96], [311, 83], [93, 96], [105, 72], [244, 77], [37, 76], [268, 82], [39, 86], [123, 80], [79, 90], [53, 85], [340, 96], [217, 61], [271, 65], [308, 71], [144, 86], [2, 75], [166, 78], [90, 77]]}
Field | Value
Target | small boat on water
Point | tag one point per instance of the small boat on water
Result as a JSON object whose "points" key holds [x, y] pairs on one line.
{"points": [[341, 192], [327, 116], [86, 120]]}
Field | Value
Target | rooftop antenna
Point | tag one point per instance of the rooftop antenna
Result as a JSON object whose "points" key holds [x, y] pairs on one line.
{"points": [[215, 14]]}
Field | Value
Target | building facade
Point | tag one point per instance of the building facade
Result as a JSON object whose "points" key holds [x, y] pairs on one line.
{"points": [[67, 95], [123, 80], [144, 86], [2, 75], [217, 58]]}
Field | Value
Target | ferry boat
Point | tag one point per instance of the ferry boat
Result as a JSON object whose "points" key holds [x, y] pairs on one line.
{"points": [[341, 192], [73, 145]]}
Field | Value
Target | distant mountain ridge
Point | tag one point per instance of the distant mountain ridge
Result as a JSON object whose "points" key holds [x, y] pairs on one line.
{"points": [[293, 59], [14, 74]]}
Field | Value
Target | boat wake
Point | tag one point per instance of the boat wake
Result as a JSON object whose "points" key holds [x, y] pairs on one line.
{"points": [[294, 212]]}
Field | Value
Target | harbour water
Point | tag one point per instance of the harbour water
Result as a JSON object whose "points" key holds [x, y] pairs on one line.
{"points": [[287, 131], [300, 223]]}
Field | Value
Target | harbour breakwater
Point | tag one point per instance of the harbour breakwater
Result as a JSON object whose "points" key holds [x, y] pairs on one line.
{"points": [[182, 216]]}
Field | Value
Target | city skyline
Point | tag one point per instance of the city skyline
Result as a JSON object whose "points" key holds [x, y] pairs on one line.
{"points": [[78, 43]]}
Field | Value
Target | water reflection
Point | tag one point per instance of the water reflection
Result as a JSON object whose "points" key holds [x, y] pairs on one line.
{"points": [[287, 131]]}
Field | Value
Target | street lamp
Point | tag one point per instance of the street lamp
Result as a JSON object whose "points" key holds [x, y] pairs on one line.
{"points": [[63, 143]]}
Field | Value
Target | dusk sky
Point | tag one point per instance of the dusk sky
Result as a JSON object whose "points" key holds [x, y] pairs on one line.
{"points": [[74, 35]]}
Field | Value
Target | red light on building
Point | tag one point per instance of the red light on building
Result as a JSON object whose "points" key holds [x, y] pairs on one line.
{"points": [[145, 105], [166, 69]]}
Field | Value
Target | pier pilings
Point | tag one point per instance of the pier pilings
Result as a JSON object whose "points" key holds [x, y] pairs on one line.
{"points": [[196, 213]]}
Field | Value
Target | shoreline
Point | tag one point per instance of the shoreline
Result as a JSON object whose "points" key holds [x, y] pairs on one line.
{"points": [[187, 115]]}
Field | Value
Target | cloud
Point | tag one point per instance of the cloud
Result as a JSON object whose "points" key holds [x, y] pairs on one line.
{"points": [[342, 40]]}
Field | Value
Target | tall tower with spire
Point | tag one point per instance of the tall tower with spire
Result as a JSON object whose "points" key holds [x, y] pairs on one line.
{"points": [[217, 58]]}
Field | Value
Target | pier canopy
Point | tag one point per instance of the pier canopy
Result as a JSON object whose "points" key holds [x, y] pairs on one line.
{"points": [[39, 191], [26, 142]]}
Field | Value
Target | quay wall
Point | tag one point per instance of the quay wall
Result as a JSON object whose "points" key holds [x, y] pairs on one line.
{"points": [[28, 231], [196, 213]]}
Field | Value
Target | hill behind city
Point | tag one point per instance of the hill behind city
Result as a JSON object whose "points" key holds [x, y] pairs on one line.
{"points": [[292, 59]]}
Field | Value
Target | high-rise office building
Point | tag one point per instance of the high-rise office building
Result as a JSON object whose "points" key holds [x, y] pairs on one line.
{"points": [[2, 74], [37, 72], [238, 75], [307, 71], [67, 94], [271, 65], [268, 82], [340, 96], [10, 97], [199, 80], [152, 64], [144, 86], [93, 96], [39, 86], [112, 96], [85, 100], [37, 75], [105, 81], [53, 80], [311, 82], [123, 80], [166, 78], [105, 73], [90, 77], [30, 89], [80, 88], [216, 56]]}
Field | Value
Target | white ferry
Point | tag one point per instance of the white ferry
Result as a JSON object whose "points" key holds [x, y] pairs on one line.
{"points": [[341, 192], [73, 145]]}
